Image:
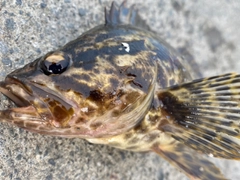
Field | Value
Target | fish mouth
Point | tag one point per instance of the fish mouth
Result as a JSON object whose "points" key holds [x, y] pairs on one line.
{"points": [[26, 115], [15, 90], [30, 106], [38, 106]]}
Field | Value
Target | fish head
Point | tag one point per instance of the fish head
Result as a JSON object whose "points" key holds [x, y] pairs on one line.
{"points": [[100, 84]]}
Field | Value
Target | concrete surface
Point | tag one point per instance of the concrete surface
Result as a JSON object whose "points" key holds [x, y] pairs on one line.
{"points": [[207, 31]]}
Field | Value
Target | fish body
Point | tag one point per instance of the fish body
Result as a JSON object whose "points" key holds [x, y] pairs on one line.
{"points": [[120, 84]]}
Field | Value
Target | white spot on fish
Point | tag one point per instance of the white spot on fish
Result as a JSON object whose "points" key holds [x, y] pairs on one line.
{"points": [[84, 109], [201, 169], [126, 47], [210, 155], [118, 102]]}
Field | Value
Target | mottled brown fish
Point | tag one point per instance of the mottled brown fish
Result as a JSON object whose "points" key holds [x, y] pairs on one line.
{"points": [[120, 84]]}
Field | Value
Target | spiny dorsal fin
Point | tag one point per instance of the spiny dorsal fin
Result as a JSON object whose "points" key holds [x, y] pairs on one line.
{"points": [[194, 166], [205, 114], [123, 15]]}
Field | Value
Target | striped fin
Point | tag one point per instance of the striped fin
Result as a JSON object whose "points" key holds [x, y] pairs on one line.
{"points": [[195, 167], [205, 115]]}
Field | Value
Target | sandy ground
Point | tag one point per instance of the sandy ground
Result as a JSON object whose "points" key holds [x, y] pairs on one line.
{"points": [[203, 30]]}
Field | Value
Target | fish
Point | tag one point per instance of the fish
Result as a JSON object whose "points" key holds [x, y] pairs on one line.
{"points": [[121, 85]]}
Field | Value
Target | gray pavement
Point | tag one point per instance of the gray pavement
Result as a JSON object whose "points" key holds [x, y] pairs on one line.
{"points": [[203, 30]]}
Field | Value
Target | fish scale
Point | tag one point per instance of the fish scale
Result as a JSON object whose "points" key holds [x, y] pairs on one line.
{"points": [[121, 85]]}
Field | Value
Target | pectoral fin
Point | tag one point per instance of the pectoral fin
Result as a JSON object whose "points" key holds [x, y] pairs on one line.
{"points": [[205, 115], [195, 167]]}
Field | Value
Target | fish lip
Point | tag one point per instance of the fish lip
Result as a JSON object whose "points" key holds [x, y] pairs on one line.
{"points": [[25, 108], [20, 92], [26, 92], [5, 88]]}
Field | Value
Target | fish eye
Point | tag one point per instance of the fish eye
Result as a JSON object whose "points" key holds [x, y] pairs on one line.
{"points": [[55, 63]]}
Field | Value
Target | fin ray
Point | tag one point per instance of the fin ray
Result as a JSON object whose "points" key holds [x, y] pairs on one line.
{"points": [[195, 167], [121, 14], [205, 113]]}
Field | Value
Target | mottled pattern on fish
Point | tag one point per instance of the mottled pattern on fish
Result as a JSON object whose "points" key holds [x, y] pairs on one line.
{"points": [[126, 76], [120, 84]]}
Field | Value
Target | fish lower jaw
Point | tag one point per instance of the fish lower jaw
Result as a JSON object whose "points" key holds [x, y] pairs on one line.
{"points": [[25, 117]]}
